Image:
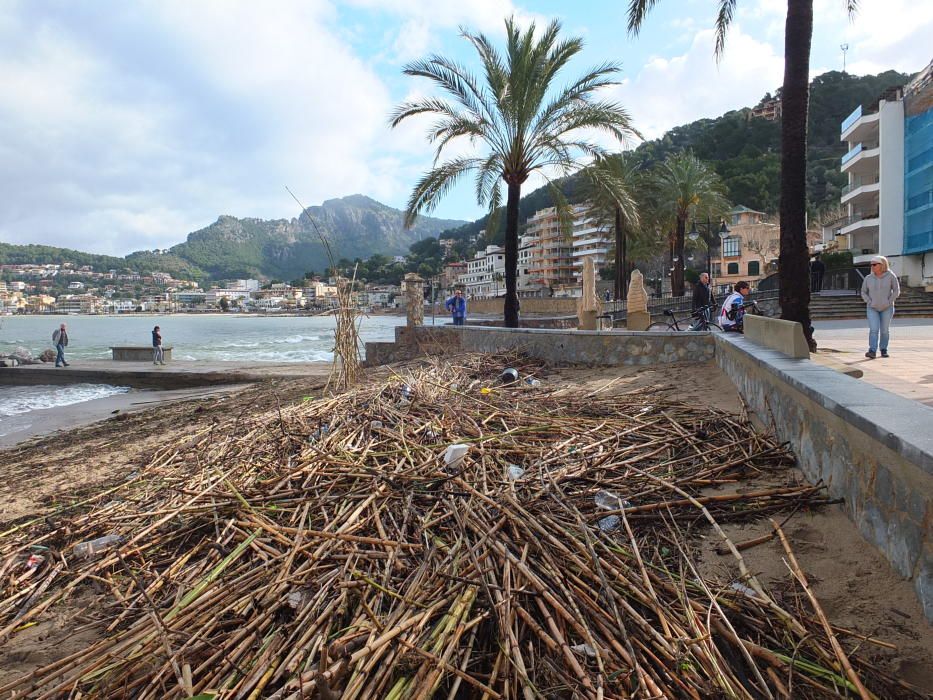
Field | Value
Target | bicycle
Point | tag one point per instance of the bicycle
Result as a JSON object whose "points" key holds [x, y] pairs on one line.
{"points": [[700, 318]]}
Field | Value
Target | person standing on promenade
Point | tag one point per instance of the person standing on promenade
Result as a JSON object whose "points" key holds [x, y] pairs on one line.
{"points": [[457, 307], [879, 290], [817, 271], [703, 295], [60, 341], [158, 357]]}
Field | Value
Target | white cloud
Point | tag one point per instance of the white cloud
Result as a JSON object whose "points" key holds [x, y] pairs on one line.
{"points": [[668, 92]]}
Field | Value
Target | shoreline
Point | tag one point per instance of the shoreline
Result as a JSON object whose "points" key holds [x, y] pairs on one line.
{"points": [[46, 422]]}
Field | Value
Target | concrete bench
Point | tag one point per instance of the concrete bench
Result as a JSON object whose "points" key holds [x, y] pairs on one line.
{"points": [[784, 336], [138, 353]]}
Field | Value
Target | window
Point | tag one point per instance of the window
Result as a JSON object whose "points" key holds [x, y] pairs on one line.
{"points": [[717, 269], [732, 269], [754, 268], [730, 247]]}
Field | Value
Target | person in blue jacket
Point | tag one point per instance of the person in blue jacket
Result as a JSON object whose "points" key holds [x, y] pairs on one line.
{"points": [[456, 305]]}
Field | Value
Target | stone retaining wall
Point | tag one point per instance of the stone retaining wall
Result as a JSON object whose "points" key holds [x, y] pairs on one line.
{"points": [[871, 448], [558, 347]]}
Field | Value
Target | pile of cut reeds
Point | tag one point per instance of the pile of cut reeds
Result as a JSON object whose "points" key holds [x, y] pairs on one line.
{"points": [[330, 550]]}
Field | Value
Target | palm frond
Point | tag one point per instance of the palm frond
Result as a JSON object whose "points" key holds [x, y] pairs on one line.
{"points": [[723, 22], [435, 184], [637, 12]]}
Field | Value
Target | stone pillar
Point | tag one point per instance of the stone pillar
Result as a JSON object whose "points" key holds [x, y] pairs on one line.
{"points": [[637, 317], [414, 299], [588, 307]]}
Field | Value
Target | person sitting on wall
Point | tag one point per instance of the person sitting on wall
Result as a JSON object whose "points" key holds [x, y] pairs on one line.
{"points": [[733, 308]]}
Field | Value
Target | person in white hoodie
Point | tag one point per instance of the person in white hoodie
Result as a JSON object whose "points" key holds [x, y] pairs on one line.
{"points": [[879, 290]]}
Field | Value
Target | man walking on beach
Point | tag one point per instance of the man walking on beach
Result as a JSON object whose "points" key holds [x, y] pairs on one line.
{"points": [[60, 341], [158, 357], [456, 305]]}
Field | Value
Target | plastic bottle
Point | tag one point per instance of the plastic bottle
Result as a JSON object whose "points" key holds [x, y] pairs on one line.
{"points": [[90, 548], [532, 382], [610, 523], [607, 500], [515, 471]]}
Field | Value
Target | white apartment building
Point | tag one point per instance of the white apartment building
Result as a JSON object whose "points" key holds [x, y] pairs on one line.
{"points": [[485, 275], [557, 254], [244, 285], [874, 195], [889, 197]]}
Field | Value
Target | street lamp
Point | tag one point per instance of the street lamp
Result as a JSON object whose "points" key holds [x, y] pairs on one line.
{"points": [[707, 234]]}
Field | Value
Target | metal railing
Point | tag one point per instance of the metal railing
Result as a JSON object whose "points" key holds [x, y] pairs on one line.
{"points": [[618, 310], [860, 182], [847, 279], [855, 218]]}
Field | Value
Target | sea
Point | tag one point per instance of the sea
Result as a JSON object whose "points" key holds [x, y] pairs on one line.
{"points": [[193, 337]]}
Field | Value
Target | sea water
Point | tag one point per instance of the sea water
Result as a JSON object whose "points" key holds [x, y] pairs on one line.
{"points": [[193, 337]]}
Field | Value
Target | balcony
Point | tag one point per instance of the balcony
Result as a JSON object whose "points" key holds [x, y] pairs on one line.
{"points": [[858, 220], [860, 181], [865, 149], [851, 119]]}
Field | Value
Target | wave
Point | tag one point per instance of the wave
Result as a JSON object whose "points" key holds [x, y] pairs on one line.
{"points": [[23, 399]]}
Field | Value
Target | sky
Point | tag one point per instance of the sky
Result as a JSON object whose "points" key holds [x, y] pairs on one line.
{"points": [[127, 124]]}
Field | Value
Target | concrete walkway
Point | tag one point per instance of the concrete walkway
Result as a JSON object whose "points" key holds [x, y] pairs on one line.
{"points": [[173, 375], [909, 370]]}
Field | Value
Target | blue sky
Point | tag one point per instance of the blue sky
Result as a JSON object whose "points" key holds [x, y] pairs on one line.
{"points": [[127, 124]]}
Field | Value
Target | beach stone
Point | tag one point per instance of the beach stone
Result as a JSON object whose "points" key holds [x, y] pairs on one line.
{"points": [[48, 355]]}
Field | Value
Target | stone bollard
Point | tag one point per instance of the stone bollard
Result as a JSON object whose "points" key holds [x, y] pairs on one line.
{"points": [[588, 307], [414, 298], [637, 317]]}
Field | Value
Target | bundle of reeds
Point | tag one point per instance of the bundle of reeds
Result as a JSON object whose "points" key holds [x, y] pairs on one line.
{"points": [[436, 535]]}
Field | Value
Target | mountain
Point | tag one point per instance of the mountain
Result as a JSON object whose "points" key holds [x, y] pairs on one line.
{"points": [[355, 226], [746, 151]]}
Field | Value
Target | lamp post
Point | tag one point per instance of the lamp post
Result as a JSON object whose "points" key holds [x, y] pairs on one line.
{"points": [[707, 234]]}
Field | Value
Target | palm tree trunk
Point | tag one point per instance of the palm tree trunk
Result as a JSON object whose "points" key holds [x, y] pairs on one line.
{"points": [[620, 255], [793, 261], [511, 255], [677, 275]]}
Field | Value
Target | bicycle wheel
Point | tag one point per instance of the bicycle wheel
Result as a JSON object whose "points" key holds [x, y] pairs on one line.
{"points": [[661, 326]]}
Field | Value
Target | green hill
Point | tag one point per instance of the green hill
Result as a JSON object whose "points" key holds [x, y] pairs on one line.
{"points": [[746, 151]]}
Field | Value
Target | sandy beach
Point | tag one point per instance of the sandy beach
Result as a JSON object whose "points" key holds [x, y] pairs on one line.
{"points": [[859, 590]]}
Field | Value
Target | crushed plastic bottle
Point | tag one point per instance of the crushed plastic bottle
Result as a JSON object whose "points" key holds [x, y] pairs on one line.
{"points": [[743, 589], [454, 455], [532, 382], [515, 471], [584, 649], [610, 523], [607, 500], [90, 548]]}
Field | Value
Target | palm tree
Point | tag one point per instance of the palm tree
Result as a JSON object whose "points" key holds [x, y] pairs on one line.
{"points": [[617, 201], [793, 261], [523, 123], [682, 186]]}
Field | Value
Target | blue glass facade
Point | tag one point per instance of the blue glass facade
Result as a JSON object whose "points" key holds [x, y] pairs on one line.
{"points": [[918, 182]]}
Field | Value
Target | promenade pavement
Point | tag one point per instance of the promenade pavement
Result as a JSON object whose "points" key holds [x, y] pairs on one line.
{"points": [[909, 370]]}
